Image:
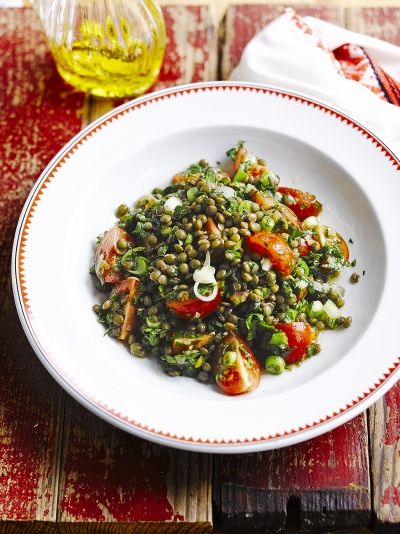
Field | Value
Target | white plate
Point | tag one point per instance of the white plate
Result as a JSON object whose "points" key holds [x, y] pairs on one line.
{"points": [[141, 145]]}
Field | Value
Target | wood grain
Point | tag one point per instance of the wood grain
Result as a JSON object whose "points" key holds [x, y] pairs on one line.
{"points": [[320, 484], [38, 115], [380, 22], [109, 476]]}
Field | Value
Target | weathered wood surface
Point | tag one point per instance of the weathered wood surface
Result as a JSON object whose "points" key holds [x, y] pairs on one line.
{"points": [[38, 115], [319, 484], [58, 462], [109, 476]]}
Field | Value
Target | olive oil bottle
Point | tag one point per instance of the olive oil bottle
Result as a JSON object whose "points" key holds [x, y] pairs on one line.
{"points": [[109, 48]]}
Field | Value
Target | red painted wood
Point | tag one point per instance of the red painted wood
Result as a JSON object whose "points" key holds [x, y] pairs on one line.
{"points": [[38, 115], [380, 22], [108, 475], [328, 476], [191, 47], [385, 460]]}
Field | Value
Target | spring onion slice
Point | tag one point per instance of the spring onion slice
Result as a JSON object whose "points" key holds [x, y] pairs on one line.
{"points": [[205, 275], [266, 264], [171, 203], [226, 191]]}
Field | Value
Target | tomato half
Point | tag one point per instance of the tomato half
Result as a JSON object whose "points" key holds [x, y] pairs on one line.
{"points": [[128, 287], [325, 235], [188, 309], [106, 255], [238, 370], [275, 248], [300, 336], [267, 202], [305, 204]]}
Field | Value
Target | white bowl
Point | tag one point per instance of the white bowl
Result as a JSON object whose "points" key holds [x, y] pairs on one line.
{"points": [[140, 145]]}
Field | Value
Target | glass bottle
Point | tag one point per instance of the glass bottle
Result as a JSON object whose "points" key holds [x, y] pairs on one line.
{"points": [[109, 48]]}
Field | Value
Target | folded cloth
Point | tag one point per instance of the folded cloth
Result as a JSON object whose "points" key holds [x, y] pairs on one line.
{"points": [[358, 74]]}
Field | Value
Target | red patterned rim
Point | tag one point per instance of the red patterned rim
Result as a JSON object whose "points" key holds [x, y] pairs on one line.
{"points": [[21, 294]]}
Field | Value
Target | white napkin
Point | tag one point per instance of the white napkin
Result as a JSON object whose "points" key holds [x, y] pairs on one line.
{"points": [[294, 53]]}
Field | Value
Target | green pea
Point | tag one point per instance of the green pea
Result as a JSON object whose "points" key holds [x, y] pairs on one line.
{"points": [[274, 365]]}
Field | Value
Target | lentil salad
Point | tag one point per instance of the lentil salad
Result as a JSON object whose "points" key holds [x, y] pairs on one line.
{"points": [[221, 274]]}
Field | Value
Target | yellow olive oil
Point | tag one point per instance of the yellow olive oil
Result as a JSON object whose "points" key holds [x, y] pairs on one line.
{"points": [[108, 61]]}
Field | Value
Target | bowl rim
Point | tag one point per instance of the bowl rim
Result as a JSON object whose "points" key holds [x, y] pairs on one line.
{"points": [[337, 418]]}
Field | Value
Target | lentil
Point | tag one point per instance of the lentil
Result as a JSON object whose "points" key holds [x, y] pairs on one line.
{"points": [[170, 247]]}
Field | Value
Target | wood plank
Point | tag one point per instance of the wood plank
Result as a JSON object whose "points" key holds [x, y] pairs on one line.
{"points": [[319, 484], [38, 116], [380, 22], [242, 22], [114, 481], [109, 476], [384, 416], [384, 420]]}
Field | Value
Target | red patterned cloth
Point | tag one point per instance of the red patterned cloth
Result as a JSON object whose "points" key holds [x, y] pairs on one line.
{"points": [[355, 64]]}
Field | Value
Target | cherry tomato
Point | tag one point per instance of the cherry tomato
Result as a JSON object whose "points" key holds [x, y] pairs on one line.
{"points": [[325, 235], [241, 156], [303, 248], [275, 248], [238, 370], [188, 309], [190, 341], [268, 201], [129, 287], [305, 204], [263, 200], [256, 170], [106, 255], [300, 336], [182, 177]]}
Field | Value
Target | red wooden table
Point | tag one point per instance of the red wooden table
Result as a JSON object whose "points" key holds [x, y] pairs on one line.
{"points": [[64, 470]]}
